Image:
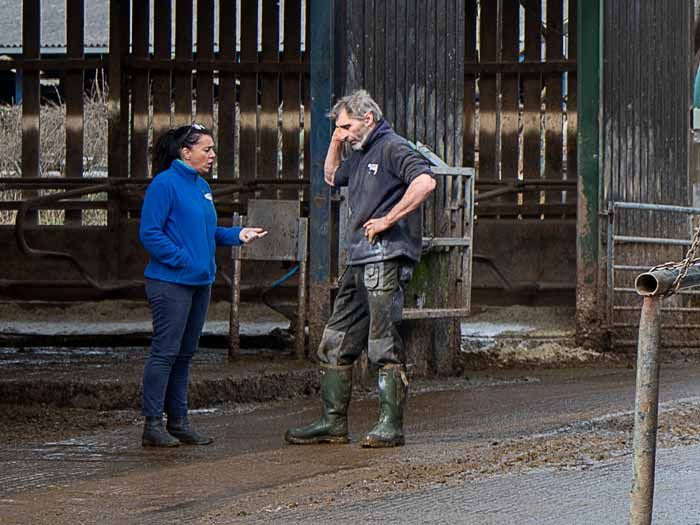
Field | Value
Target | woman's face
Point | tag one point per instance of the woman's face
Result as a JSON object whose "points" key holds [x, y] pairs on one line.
{"points": [[200, 156]]}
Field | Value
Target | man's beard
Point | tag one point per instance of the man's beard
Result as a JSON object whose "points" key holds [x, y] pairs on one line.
{"points": [[357, 146]]}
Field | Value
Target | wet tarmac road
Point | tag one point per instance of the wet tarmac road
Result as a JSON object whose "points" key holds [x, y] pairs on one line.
{"points": [[490, 448]]}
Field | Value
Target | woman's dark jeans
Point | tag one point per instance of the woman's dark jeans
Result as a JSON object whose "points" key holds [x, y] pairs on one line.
{"points": [[178, 318]]}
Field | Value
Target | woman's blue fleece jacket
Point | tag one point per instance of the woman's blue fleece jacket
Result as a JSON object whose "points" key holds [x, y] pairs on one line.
{"points": [[179, 230]]}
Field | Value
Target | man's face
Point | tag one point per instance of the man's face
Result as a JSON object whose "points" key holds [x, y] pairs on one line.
{"points": [[355, 129]]}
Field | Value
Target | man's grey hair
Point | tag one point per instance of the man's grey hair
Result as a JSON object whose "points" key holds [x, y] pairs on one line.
{"points": [[356, 104]]}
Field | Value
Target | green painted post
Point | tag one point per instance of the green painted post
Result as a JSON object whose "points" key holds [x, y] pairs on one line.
{"points": [[589, 309]]}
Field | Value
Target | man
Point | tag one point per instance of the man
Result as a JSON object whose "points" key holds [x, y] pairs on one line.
{"points": [[388, 181]]}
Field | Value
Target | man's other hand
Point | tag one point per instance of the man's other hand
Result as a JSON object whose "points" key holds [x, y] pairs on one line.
{"points": [[374, 227]]}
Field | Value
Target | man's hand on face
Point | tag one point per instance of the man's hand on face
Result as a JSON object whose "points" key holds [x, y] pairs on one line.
{"points": [[339, 135], [374, 227]]}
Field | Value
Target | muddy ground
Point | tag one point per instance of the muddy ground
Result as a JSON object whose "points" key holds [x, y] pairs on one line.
{"points": [[524, 400], [496, 426]]}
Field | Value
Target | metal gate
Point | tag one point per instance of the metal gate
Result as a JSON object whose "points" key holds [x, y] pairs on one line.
{"points": [[637, 240]]}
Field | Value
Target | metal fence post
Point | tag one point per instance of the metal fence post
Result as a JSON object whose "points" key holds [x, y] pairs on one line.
{"points": [[646, 409]]}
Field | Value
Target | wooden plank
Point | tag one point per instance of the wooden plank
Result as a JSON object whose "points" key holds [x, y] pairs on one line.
{"points": [[248, 93], [527, 211], [410, 70], [532, 104], [74, 84], [38, 64], [269, 84], [442, 219], [119, 19], [440, 72], [402, 87], [291, 97], [420, 105], [30, 98], [380, 54], [118, 131], [430, 221], [389, 51], [205, 52], [509, 95], [456, 110], [226, 129], [182, 80], [488, 168], [210, 65], [454, 87], [354, 39], [470, 57], [140, 93], [162, 17], [553, 100], [572, 103], [370, 49]]}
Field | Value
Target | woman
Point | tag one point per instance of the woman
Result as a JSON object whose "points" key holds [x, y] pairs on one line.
{"points": [[179, 230]]}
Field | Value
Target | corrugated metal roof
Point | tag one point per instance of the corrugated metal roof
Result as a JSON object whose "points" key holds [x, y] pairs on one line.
{"points": [[53, 24]]}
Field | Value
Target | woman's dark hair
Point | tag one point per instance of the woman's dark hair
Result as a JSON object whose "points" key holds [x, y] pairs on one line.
{"points": [[169, 145]]}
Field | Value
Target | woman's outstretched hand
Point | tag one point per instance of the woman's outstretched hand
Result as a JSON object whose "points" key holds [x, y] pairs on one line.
{"points": [[250, 234]]}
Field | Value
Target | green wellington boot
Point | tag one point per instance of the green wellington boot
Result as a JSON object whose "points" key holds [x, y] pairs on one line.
{"points": [[393, 390], [332, 426]]}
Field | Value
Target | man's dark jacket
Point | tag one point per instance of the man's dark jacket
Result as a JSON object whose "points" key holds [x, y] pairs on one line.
{"points": [[378, 176]]}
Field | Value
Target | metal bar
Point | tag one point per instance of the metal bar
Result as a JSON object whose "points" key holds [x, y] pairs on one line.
{"points": [[636, 291], [670, 326], [453, 171], [435, 313], [659, 282], [588, 59], [629, 267], [666, 343], [646, 408], [686, 309], [429, 242], [321, 26], [651, 240], [300, 332], [234, 327], [655, 207]]}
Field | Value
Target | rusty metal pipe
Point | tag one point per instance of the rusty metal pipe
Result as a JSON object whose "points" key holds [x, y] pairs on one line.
{"points": [[646, 408], [653, 286], [659, 282]]}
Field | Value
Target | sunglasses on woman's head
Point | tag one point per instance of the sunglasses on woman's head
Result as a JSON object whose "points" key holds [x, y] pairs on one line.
{"points": [[197, 128]]}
